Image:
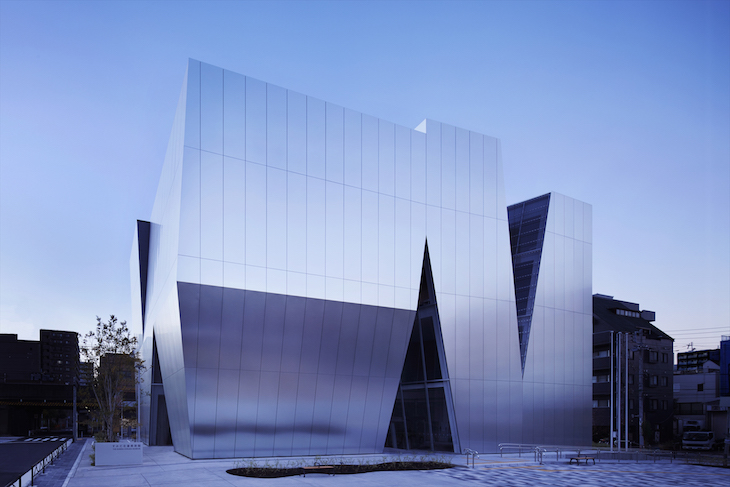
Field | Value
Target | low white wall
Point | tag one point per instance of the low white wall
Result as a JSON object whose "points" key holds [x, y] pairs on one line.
{"points": [[122, 453]]}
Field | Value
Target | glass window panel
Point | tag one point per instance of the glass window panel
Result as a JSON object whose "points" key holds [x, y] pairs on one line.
{"points": [[276, 105], [296, 222], [211, 108], [234, 210], [211, 205], [418, 166], [402, 162], [352, 233], [386, 240], [334, 142], [296, 132], [476, 173], [276, 218], [353, 148], [369, 153], [315, 137], [255, 214], [334, 245], [416, 407], [315, 226], [433, 163], [255, 121], [448, 166], [462, 170], [440, 420], [192, 106], [386, 157]]}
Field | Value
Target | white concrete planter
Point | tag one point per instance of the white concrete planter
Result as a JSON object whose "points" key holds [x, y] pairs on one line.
{"points": [[122, 453]]}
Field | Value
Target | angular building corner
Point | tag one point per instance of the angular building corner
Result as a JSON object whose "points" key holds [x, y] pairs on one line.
{"points": [[315, 280]]}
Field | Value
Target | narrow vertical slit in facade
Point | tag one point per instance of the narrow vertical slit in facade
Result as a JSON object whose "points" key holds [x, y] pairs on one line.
{"points": [[527, 223], [423, 414]]}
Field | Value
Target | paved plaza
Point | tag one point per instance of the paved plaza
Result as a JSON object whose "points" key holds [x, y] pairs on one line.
{"points": [[163, 467]]}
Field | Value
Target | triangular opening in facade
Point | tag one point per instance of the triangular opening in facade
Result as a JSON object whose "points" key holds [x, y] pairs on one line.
{"points": [[423, 414], [527, 223]]}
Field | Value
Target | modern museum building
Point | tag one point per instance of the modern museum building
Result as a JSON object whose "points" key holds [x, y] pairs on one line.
{"points": [[317, 281]]}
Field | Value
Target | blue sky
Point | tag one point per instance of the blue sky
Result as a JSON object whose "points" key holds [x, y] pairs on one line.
{"points": [[624, 105]]}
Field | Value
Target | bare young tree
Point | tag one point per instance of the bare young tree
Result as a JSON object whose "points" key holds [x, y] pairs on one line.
{"points": [[112, 350]]}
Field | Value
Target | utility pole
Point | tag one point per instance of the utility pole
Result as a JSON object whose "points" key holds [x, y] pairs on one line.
{"points": [[640, 348], [626, 396], [618, 388], [612, 432], [75, 415]]}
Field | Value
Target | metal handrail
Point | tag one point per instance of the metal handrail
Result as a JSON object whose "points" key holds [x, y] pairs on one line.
{"points": [[40, 466], [474, 454]]}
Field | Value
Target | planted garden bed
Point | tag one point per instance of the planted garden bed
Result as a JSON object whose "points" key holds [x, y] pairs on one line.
{"points": [[275, 471]]}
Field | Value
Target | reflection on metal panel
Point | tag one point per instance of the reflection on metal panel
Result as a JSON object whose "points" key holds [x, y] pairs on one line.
{"points": [[256, 414]]}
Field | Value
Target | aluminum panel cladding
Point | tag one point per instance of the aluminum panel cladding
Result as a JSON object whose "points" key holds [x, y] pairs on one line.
{"points": [[558, 345], [310, 220]]}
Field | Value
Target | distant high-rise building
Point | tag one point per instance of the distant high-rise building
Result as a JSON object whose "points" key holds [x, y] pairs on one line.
{"points": [[36, 383]]}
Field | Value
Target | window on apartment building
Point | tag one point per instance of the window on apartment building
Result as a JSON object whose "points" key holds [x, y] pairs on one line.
{"points": [[631, 379], [601, 403], [654, 381], [654, 404], [665, 381], [700, 387], [665, 404], [665, 358], [653, 356], [601, 353], [601, 378]]}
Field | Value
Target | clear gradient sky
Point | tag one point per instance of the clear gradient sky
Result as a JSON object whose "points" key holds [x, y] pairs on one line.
{"points": [[624, 105]]}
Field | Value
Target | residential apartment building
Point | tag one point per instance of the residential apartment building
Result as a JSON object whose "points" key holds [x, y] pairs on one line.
{"points": [[632, 374]]}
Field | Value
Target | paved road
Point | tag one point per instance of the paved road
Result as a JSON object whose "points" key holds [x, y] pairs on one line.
{"points": [[19, 455]]}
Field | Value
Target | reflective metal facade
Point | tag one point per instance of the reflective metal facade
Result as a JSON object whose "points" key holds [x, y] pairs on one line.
{"points": [[285, 255]]}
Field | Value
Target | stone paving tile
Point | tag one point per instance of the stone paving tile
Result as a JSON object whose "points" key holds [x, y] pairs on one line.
{"points": [[55, 474], [599, 475]]}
